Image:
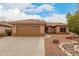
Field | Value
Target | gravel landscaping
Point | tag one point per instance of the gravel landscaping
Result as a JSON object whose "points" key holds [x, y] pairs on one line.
{"points": [[70, 48]]}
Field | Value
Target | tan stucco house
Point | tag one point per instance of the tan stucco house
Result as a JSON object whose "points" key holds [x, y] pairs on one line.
{"points": [[4, 26], [37, 27], [29, 27]]}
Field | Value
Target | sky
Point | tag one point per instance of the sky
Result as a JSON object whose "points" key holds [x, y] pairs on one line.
{"points": [[51, 12]]}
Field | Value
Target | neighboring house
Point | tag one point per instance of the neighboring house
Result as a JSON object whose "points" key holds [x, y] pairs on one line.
{"points": [[4, 26], [56, 28], [29, 27]]}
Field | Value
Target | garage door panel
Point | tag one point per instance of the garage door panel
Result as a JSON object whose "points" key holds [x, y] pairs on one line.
{"points": [[28, 30]]}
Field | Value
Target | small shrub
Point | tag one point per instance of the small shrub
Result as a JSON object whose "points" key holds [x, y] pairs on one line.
{"points": [[8, 32], [2, 34], [56, 41]]}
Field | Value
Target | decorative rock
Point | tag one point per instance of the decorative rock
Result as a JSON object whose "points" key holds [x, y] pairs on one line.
{"points": [[71, 48]]}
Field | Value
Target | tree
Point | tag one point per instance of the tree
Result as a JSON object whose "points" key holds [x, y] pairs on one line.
{"points": [[68, 15], [73, 22]]}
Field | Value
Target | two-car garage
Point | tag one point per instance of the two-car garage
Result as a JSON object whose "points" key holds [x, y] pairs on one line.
{"points": [[28, 28]]}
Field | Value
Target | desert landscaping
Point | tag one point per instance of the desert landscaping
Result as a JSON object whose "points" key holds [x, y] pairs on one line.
{"points": [[64, 46]]}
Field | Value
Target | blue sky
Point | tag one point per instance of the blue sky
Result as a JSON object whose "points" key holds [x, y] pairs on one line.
{"points": [[66, 7], [37, 10], [60, 8]]}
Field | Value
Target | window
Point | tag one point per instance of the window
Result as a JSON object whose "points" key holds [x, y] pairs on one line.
{"points": [[62, 29]]}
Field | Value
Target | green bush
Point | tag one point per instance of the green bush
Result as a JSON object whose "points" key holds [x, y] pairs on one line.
{"points": [[73, 22], [56, 41], [8, 32]]}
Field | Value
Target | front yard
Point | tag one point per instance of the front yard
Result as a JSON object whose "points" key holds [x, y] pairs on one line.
{"points": [[39, 46], [52, 49]]}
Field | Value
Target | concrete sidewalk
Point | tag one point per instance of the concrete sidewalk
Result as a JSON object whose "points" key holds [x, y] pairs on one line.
{"points": [[22, 46]]}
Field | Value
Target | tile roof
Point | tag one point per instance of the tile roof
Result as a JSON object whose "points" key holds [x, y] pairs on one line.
{"points": [[6, 24], [29, 21], [56, 24]]}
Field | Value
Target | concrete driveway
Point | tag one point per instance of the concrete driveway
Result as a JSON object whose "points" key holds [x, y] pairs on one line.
{"points": [[22, 46]]}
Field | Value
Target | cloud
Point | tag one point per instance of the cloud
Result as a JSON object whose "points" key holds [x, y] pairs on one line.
{"points": [[1, 6], [16, 11], [29, 7], [20, 6], [43, 7], [57, 18], [15, 14]]}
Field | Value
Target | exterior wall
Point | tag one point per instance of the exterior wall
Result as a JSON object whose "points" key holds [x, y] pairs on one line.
{"points": [[15, 30], [42, 29], [57, 29], [53, 30]]}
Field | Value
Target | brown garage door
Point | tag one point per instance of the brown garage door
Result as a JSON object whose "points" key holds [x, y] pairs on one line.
{"points": [[28, 30]]}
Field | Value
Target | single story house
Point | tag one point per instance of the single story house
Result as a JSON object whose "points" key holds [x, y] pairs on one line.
{"points": [[37, 27], [29, 27], [56, 28], [4, 26]]}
